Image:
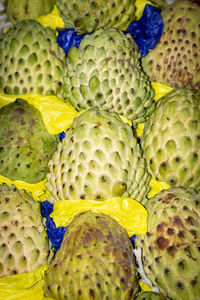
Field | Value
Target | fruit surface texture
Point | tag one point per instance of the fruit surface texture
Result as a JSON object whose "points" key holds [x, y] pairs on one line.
{"points": [[175, 61], [171, 139], [95, 261], [31, 62], [170, 248], [99, 158], [24, 243]]}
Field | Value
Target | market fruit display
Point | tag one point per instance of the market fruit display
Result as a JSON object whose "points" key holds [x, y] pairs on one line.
{"points": [[27, 9], [151, 296], [88, 16], [175, 60], [105, 72], [24, 243], [31, 62], [171, 139], [25, 144], [170, 249], [99, 158], [95, 261]]}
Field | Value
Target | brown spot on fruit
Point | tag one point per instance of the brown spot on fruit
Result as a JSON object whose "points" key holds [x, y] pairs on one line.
{"points": [[162, 242]]}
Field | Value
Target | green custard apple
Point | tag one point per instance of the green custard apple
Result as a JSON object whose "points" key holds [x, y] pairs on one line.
{"points": [[175, 60], [95, 261], [27, 9], [99, 158], [171, 139], [24, 243], [25, 144], [151, 296], [171, 249], [87, 16], [105, 72], [31, 61]]}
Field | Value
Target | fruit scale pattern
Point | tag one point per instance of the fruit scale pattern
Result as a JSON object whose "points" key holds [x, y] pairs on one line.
{"points": [[109, 84]]}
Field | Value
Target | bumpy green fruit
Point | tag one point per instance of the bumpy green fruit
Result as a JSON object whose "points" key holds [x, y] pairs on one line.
{"points": [[150, 296], [95, 261], [175, 60], [25, 144], [31, 60], [171, 247], [87, 16], [99, 158], [171, 139], [105, 72], [24, 243], [27, 9]]}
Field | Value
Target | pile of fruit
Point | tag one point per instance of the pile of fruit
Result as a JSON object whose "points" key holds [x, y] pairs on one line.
{"points": [[101, 156]]}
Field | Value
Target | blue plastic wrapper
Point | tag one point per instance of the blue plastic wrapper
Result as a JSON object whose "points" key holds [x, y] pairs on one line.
{"points": [[56, 234], [146, 32], [68, 38], [61, 135]]}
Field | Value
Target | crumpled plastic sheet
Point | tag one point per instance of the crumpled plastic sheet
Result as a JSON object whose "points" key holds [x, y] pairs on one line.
{"points": [[146, 32], [56, 216], [55, 234]]}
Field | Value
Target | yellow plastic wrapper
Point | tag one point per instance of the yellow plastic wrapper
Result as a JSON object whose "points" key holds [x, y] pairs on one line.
{"points": [[157, 187], [26, 286], [52, 20], [129, 213], [57, 116]]}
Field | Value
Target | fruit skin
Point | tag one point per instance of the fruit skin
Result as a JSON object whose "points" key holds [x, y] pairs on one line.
{"points": [[25, 144], [31, 60], [99, 158], [27, 9], [150, 296], [105, 72], [95, 261], [88, 16], [170, 248], [175, 60], [171, 139], [24, 243]]}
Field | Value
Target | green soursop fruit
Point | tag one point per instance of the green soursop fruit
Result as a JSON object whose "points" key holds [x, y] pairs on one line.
{"points": [[25, 144], [99, 158], [171, 139], [171, 249], [95, 261], [30, 60], [150, 296], [105, 72], [24, 243], [175, 60], [27, 9], [87, 16]]}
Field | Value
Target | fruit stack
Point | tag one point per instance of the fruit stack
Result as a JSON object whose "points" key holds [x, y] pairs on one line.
{"points": [[110, 85]]}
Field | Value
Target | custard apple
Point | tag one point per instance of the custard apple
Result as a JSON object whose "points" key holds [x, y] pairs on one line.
{"points": [[27, 9], [24, 243], [87, 16], [150, 296], [171, 255], [99, 158], [175, 61], [105, 72], [25, 144], [31, 60], [171, 139], [95, 261]]}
